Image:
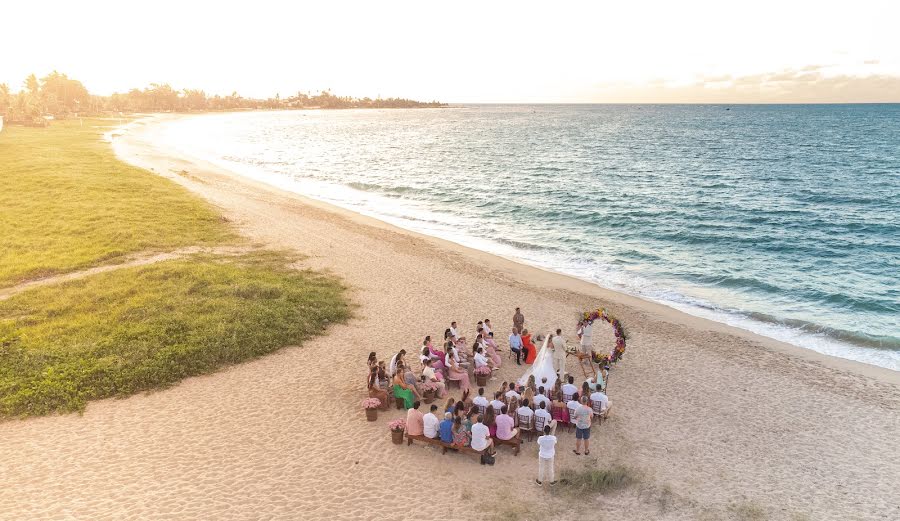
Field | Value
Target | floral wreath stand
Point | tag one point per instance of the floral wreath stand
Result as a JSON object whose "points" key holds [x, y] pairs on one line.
{"points": [[601, 359]]}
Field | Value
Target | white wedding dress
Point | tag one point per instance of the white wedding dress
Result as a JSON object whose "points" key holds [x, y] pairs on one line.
{"points": [[541, 368]]}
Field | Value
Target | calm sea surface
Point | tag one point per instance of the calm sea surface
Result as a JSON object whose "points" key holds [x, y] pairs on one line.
{"points": [[784, 220]]}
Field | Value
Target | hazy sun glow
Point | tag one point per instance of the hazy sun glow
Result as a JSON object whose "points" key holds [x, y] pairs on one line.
{"points": [[597, 51]]}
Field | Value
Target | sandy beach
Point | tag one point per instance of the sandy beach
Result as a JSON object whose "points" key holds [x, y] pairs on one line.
{"points": [[718, 423]]}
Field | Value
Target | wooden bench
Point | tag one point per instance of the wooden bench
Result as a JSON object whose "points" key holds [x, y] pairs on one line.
{"points": [[515, 443], [438, 443]]}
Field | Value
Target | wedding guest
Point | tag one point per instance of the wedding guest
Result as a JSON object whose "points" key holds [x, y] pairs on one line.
{"points": [[445, 429], [431, 376], [525, 414], [415, 420], [480, 359], [511, 393], [455, 372], [450, 406], [572, 405], [481, 437], [395, 360], [505, 425], [490, 419], [515, 345], [430, 423], [518, 320], [542, 412], [540, 398], [497, 402], [402, 389], [492, 351], [600, 396], [481, 400], [375, 389], [585, 389], [528, 348], [569, 388], [460, 433], [546, 455], [582, 420], [373, 360]]}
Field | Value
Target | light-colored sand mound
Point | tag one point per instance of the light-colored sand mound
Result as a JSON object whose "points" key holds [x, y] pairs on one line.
{"points": [[718, 423]]}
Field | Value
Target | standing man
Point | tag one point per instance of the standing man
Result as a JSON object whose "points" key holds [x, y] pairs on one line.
{"points": [[559, 352], [583, 416], [515, 345], [584, 333], [546, 455], [518, 320]]}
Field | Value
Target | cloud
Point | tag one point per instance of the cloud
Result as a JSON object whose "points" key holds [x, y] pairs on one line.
{"points": [[807, 84]]}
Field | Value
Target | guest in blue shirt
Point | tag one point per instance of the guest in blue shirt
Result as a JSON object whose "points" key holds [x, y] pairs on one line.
{"points": [[447, 428], [515, 343]]}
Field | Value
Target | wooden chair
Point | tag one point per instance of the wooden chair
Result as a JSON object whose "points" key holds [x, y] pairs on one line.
{"points": [[571, 415], [482, 409], [567, 397], [599, 412], [525, 424], [496, 410], [539, 423]]}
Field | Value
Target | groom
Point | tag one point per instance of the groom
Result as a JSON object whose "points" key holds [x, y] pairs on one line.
{"points": [[559, 352]]}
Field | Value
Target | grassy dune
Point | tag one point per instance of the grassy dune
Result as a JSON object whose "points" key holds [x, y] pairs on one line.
{"points": [[68, 203]]}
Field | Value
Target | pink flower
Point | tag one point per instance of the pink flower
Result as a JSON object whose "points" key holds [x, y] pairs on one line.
{"points": [[371, 403], [397, 425], [483, 370]]}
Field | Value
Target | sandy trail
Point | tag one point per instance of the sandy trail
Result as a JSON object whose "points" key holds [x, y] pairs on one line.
{"points": [[719, 423], [131, 261]]}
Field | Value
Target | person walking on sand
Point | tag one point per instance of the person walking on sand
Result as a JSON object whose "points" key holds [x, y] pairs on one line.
{"points": [[518, 320], [546, 455]]}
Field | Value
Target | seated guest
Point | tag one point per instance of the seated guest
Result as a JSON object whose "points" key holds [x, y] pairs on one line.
{"points": [[464, 400], [446, 428], [403, 390], [481, 437], [558, 408], [488, 329], [431, 376], [511, 393], [480, 400], [412, 381], [437, 354], [398, 358], [460, 433], [524, 414], [515, 345], [573, 403], [505, 425], [373, 360], [528, 348], [490, 419], [601, 397], [540, 398], [497, 402], [455, 372], [480, 359], [415, 420], [430, 423], [569, 388], [450, 406], [585, 389], [530, 389], [470, 420], [545, 418], [492, 351], [375, 390]]}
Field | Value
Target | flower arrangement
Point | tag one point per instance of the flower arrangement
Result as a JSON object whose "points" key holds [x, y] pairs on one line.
{"points": [[483, 370], [619, 350], [371, 403], [397, 425], [429, 386]]}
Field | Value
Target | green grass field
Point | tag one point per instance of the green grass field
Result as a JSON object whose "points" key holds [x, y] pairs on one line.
{"points": [[136, 329], [68, 203]]}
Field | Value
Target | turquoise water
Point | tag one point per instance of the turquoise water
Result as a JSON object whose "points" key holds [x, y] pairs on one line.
{"points": [[784, 220]]}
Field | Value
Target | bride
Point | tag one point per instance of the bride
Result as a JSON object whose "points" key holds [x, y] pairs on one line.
{"points": [[542, 367]]}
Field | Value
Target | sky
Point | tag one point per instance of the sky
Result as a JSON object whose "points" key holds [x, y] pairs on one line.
{"points": [[466, 52]]}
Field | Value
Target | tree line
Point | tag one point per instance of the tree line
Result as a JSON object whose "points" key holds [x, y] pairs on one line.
{"points": [[59, 96]]}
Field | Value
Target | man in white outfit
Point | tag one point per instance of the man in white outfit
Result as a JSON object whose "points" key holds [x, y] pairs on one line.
{"points": [[587, 344], [559, 352], [546, 455]]}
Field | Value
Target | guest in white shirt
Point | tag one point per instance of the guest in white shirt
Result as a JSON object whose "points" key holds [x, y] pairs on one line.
{"points": [[481, 436], [559, 352], [481, 400], [431, 423], [542, 412], [598, 396], [430, 376], [487, 327], [525, 414], [540, 397], [497, 403], [569, 388], [480, 359], [546, 455], [394, 359], [511, 393]]}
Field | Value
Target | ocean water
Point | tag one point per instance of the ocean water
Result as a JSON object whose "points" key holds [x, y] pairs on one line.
{"points": [[783, 220]]}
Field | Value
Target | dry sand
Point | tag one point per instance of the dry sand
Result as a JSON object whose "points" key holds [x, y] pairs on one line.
{"points": [[718, 423]]}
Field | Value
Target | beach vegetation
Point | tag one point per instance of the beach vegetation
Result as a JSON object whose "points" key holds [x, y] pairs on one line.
{"points": [[137, 329], [68, 203], [590, 481]]}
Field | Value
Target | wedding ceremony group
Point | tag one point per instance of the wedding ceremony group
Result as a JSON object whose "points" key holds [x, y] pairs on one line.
{"points": [[545, 397]]}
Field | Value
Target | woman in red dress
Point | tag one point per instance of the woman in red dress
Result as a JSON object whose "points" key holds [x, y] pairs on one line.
{"points": [[528, 347]]}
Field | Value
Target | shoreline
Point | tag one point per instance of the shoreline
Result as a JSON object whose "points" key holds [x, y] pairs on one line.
{"points": [[713, 422], [551, 278]]}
